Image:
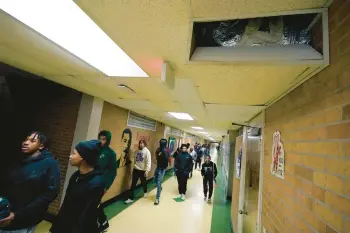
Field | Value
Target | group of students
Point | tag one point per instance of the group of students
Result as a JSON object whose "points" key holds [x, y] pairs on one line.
{"points": [[28, 188], [186, 159]]}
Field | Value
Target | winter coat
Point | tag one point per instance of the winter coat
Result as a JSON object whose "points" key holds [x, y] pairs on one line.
{"points": [[184, 163], [30, 187], [79, 211]]}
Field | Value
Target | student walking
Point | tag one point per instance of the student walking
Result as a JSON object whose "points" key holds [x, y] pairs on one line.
{"points": [[141, 168], [209, 173], [183, 167], [79, 211], [163, 156], [30, 186], [194, 158], [199, 158], [107, 163]]}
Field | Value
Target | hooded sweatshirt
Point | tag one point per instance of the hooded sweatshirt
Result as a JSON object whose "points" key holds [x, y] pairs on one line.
{"points": [[107, 162], [209, 170], [143, 160], [79, 211], [30, 188], [184, 162], [162, 154]]}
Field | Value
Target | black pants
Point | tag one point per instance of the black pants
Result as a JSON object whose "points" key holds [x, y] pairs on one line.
{"points": [[199, 162], [182, 178], [102, 218], [191, 172], [206, 183], [136, 175]]}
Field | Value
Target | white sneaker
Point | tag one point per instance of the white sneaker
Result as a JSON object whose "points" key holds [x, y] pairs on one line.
{"points": [[205, 198], [129, 201], [183, 197], [145, 195]]}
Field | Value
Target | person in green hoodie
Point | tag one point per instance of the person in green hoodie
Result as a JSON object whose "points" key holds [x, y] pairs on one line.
{"points": [[107, 163]]}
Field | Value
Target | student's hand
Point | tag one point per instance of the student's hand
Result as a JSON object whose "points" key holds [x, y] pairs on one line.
{"points": [[6, 221], [146, 173]]}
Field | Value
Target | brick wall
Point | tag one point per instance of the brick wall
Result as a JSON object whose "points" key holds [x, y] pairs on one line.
{"points": [[39, 104], [58, 122], [314, 121]]}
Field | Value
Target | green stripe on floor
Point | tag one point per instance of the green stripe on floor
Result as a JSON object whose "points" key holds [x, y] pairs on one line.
{"points": [[118, 206], [221, 215]]}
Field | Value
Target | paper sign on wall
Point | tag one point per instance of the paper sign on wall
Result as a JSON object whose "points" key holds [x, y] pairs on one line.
{"points": [[277, 166]]}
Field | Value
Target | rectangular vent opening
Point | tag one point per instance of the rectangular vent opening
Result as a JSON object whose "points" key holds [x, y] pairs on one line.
{"points": [[142, 122], [277, 38]]}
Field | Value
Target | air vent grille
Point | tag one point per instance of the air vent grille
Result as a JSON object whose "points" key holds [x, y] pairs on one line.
{"points": [[141, 122]]}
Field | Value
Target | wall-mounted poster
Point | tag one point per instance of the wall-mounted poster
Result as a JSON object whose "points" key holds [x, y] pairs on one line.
{"points": [[125, 158], [172, 145], [238, 163], [277, 166]]}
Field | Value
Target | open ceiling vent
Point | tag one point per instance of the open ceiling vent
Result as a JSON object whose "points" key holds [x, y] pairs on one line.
{"points": [[289, 37]]}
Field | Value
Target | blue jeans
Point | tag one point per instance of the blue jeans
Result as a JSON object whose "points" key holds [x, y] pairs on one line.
{"points": [[158, 178]]}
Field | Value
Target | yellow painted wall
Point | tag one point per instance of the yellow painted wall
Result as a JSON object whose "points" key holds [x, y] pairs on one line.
{"points": [[114, 119]]}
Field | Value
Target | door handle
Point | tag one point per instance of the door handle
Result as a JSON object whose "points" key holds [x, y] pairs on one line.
{"points": [[243, 212]]}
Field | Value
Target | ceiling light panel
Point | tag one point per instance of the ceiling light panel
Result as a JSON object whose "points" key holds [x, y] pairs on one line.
{"points": [[64, 23], [197, 127], [181, 116]]}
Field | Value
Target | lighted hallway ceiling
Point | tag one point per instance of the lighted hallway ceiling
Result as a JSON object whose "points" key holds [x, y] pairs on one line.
{"points": [[151, 32]]}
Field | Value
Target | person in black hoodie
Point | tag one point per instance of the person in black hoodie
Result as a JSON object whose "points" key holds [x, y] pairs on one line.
{"points": [[30, 186], [209, 173], [162, 156], [183, 167], [79, 210]]}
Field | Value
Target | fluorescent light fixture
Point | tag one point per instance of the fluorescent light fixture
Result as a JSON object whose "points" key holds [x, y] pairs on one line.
{"points": [[197, 127], [204, 132], [181, 116], [64, 23]]}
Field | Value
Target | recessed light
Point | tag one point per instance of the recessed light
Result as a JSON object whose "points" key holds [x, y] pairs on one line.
{"points": [[181, 116], [64, 23], [204, 132], [197, 127]]}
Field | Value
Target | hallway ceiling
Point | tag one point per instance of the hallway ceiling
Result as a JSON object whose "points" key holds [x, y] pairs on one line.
{"points": [[151, 32]]}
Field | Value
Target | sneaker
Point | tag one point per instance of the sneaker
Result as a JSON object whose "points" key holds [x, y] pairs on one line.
{"points": [[205, 198], [209, 200], [183, 196], [104, 227], [156, 202], [129, 201], [145, 195]]}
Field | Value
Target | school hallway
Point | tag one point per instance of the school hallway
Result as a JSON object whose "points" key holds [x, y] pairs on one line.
{"points": [[194, 215]]}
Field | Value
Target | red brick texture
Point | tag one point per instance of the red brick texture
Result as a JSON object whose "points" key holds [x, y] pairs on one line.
{"points": [[314, 121], [58, 122], [39, 104]]}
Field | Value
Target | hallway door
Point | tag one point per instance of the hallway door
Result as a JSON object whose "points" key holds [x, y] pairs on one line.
{"points": [[249, 184]]}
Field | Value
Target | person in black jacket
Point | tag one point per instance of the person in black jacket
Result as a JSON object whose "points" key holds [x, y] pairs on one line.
{"points": [[30, 186], [162, 156], [79, 210], [209, 173], [183, 167]]}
